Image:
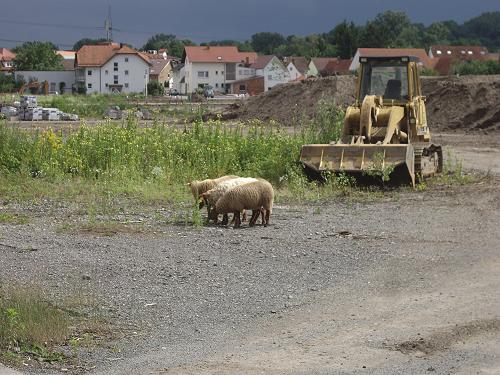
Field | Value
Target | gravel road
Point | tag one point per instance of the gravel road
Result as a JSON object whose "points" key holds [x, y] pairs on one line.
{"points": [[406, 284]]}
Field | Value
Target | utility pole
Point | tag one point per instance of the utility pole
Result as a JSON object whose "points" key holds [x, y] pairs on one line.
{"points": [[108, 26]]}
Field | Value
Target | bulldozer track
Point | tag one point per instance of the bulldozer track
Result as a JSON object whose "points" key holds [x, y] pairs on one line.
{"points": [[425, 153]]}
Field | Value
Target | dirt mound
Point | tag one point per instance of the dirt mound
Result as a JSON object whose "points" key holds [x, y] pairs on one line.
{"points": [[292, 103], [463, 103], [453, 103]]}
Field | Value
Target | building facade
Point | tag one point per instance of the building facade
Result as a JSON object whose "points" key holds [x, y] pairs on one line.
{"points": [[111, 68]]}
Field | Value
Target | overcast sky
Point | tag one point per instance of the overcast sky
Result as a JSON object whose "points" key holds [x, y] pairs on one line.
{"points": [[65, 21]]}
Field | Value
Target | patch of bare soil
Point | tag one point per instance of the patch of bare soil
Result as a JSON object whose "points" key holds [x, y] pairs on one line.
{"points": [[441, 341], [468, 103]]}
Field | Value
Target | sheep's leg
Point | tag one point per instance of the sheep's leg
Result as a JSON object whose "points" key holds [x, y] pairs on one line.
{"points": [[237, 220], [225, 219], [255, 216], [268, 214], [208, 213], [262, 213], [245, 215]]}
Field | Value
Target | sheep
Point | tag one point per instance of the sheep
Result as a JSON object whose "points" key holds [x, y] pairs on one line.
{"points": [[257, 196], [200, 187], [213, 195]]}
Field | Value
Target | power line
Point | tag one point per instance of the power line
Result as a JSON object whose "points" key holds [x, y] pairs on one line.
{"points": [[52, 25], [26, 41]]}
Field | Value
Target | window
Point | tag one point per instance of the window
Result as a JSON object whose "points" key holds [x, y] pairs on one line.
{"points": [[106, 85], [89, 85], [203, 74], [126, 59], [126, 85], [438, 52], [89, 72], [217, 85], [384, 79], [222, 72], [126, 72], [115, 79], [106, 72], [243, 87], [115, 66], [270, 77], [470, 52], [221, 85], [448, 52], [216, 72], [241, 72]]}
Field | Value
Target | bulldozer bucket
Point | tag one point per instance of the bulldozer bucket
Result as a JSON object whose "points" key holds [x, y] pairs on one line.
{"points": [[359, 159]]}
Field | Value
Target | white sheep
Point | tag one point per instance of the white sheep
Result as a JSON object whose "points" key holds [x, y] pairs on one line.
{"points": [[257, 196], [200, 187], [213, 195]]}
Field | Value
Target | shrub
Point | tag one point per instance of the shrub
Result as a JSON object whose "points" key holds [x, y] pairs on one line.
{"points": [[155, 88], [476, 67]]}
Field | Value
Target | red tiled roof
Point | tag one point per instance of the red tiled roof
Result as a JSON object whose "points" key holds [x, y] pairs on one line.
{"points": [[6, 54], [300, 62], [157, 65], [321, 62], [222, 54], [67, 54], [98, 55], [337, 66], [460, 52], [393, 52], [262, 61]]}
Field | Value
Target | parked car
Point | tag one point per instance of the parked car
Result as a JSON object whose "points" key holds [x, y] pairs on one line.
{"points": [[173, 92], [208, 92]]}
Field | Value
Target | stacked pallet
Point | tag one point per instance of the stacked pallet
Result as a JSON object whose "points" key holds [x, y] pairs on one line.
{"points": [[51, 114], [29, 110]]}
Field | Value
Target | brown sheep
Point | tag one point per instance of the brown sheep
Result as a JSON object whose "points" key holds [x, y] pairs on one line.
{"points": [[257, 196]]}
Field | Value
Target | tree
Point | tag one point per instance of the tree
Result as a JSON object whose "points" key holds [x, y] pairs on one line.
{"points": [[346, 37], [174, 46], [37, 56], [437, 33], [383, 31], [485, 28], [266, 42], [87, 42], [242, 46], [410, 37]]}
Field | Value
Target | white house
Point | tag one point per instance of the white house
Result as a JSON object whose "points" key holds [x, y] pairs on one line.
{"points": [[297, 67], [215, 66], [272, 69], [111, 68], [60, 81]]}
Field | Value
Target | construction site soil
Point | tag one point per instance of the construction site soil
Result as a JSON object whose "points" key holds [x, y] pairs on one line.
{"points": [[468, 103]]}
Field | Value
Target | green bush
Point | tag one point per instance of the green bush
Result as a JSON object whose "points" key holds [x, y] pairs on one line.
{"points": [[155, 88], [476, 68], [125, 151]]}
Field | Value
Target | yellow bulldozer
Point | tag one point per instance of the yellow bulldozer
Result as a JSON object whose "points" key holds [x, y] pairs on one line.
{"points": [[385, 129]]}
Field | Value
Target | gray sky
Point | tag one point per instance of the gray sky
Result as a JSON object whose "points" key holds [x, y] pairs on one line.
{"points": [[203, 20]]}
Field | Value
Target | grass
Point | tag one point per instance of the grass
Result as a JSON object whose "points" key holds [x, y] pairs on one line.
{"points": [[31, 327], [15, 219], [111, 168]]}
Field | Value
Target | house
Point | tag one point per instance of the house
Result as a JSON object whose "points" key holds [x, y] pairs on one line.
{"points": [[251, 86], [60, 81], [68, 59], [6, 60], [215, 66], [272, 69], [318, 65], [337, 67], [179, 78], [111, 68], [445, 56], [424, 60], [161, 71], [297, 67]]}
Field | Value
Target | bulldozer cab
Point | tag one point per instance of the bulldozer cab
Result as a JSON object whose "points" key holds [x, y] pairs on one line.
{"points": [[382, 127]]}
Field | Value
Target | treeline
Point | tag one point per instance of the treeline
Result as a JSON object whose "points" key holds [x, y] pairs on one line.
{"points": [[390, 29]]}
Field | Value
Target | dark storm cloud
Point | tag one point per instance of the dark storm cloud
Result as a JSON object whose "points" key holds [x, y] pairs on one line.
{"points": [[202, 20]]}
